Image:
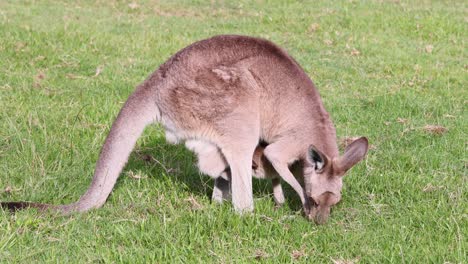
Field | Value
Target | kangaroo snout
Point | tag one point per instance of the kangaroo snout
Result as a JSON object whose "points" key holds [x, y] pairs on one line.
{"points": [[320, 207]]}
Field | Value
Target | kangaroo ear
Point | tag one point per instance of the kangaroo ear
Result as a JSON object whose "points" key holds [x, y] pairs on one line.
{"points": [[354, 153], [317, 158]]}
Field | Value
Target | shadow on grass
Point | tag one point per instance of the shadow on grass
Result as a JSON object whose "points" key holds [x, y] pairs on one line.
{"points": [[163, 161]]}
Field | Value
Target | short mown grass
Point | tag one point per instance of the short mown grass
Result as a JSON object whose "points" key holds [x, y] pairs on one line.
{"points": [[394, 71]]}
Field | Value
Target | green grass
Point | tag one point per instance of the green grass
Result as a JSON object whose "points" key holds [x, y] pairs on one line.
{"points": [[406, 203]]}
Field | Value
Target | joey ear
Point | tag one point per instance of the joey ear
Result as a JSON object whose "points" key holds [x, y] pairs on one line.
{"points": [[354, 153], [316, 157]]}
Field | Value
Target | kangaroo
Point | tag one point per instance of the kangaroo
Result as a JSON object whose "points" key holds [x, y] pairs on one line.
{"points": [[224, 95]]}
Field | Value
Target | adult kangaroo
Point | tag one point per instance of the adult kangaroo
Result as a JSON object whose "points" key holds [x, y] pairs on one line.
{"points": [[223, 95]]}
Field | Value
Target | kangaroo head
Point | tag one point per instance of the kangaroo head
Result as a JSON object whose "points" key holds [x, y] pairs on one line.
{"points": [[323, 177]]}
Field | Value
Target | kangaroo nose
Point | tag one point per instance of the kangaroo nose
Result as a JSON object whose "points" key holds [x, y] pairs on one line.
{"points": [[320, 218]]}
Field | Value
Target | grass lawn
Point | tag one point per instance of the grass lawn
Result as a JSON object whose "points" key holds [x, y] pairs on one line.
{"points": [[394, 71]]}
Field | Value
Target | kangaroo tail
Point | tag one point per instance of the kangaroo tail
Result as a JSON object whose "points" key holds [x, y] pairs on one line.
{"points": [[15, 206], [139, 111]]}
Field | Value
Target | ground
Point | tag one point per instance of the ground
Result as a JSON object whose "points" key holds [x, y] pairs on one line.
{"points": [[394, 71]]}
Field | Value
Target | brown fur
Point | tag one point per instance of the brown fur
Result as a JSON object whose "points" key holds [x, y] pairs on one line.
{"points": [[222, 96]]}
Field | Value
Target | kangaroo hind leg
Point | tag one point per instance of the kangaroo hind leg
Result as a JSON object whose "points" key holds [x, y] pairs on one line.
{"points": [[238, 147]]}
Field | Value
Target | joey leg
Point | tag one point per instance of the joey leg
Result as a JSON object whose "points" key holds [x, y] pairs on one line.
{"points": [[278, 195], [221, 189]]}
